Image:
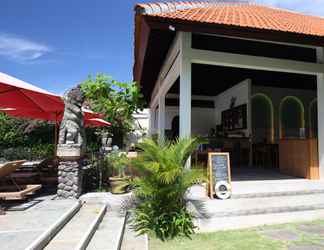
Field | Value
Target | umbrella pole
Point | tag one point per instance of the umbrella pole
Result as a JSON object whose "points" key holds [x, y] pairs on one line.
{"points": [[55, 139]]}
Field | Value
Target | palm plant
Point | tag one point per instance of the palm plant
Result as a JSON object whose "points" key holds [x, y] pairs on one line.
{"points": [[161, 190]]}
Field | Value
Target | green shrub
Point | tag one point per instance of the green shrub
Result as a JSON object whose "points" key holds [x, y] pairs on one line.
{"points": [[36, 152], [160, 193], [117, 161]]}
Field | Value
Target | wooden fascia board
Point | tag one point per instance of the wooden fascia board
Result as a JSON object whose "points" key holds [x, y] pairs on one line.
{"points": [[142, 33], [236, 31]]}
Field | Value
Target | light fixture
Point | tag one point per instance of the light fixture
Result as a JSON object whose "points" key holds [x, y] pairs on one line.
{"points": [[172, 28]]}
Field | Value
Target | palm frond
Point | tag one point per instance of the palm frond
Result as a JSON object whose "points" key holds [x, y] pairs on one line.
{"points": [[183, 148]]}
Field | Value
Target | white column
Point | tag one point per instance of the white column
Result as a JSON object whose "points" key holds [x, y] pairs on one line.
{"points": [[185, 89], [161, 119], [185, 86], [151, 121], [320, 110]]}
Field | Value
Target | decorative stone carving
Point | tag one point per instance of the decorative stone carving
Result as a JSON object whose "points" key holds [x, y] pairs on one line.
{"points": [[105, 143], [72, 135], [106, 140], [71, 146]]}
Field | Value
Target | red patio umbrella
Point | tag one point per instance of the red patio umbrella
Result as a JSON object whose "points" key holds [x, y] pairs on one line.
{"points": [[18, 94], [21, 99], [96, 122], [56, 116]]}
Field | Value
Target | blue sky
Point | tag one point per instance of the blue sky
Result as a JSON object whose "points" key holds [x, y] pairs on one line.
{"points": [[57, 44]]}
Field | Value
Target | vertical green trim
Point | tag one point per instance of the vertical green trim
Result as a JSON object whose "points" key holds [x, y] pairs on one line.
{"points": [[302, 112], [269, 101]]}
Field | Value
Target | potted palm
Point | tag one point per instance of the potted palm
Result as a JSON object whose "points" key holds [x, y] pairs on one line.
{"points": [[119, 182], [160, 189]]}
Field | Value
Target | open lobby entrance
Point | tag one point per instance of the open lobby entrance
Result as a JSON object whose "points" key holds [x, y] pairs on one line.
{"points": [[266, 120]]}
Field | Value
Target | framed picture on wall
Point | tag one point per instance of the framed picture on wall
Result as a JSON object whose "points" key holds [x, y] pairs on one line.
{"points": [[235, 118]]}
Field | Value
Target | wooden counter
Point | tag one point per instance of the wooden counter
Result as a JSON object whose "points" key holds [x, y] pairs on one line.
{"points": [[299, 157]]}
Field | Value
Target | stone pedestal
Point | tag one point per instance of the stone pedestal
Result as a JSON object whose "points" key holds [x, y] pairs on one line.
{"points": [[70, 177]]}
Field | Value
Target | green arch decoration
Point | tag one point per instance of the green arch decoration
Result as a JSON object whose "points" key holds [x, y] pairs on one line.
{"points": [[269, 101], [302, 113]]}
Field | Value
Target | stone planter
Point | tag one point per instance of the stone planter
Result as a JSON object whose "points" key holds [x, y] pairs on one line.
{"points": [[119, 185]]}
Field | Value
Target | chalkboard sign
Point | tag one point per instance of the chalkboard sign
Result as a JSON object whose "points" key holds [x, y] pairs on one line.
{"points": [[218, 172]]}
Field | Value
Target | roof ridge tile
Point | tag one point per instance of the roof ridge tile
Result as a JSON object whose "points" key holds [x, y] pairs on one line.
{"points": [[165, 7]]}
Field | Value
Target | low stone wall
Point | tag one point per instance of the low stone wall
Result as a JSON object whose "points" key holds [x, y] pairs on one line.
{"points": [[70, 177]]}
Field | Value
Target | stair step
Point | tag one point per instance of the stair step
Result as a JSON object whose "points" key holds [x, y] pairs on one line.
{"points": [[109, 234], [250, 189], [275, 194], [255, 220], [132, 241], [77, 229], [253, 206], [269, 210]]}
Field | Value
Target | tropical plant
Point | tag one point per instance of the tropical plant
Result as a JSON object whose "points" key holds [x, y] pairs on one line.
{"points": [[160, 192], [11, 131], [35, 152], [119, 182], [118, 161], [116, 100]]}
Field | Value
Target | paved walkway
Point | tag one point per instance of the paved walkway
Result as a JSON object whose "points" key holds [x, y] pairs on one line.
{"points": [[308, 236], [19, 229]]}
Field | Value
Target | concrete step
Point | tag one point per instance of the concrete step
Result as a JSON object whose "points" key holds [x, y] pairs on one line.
{"points": [[278, 193], [268, 188], [263, 205], [77, 233], [255, 220], [109, 234], [240, 213], [132, 241]]}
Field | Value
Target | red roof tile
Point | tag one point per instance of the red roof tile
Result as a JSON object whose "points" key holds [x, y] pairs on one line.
{"points": [[236, 14]]}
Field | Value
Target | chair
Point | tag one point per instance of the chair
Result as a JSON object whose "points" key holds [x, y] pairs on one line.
{"points": [[15, 191]]}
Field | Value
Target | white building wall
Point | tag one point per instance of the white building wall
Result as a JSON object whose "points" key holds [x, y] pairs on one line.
{"points": [[241, 92], [202, 119], [141, 127]]}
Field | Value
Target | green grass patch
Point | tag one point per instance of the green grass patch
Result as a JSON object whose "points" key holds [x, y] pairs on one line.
{"points": [[248, 239], [226, 240]]}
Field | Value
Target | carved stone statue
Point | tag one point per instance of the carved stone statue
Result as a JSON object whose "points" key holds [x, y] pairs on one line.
{"points": [[72, 134], [71, 146]]}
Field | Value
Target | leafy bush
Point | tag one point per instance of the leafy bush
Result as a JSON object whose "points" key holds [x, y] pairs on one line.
{"points": [[36, 152], [118, 161], [161, 191], [116, 100]]}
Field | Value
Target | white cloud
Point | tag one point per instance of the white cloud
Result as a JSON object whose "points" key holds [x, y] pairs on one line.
{"points": [[20, 49]]}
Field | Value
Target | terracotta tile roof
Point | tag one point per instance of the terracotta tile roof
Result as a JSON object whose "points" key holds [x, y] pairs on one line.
{"points": [[236, 14]]}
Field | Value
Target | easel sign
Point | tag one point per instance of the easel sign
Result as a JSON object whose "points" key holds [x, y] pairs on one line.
{"points": [[219, 175]]}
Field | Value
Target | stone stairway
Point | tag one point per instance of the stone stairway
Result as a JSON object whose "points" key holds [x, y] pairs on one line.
{"points": [[263, 205], [90, 226]]}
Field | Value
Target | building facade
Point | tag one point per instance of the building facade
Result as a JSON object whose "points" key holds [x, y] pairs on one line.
{"points": [[248, 77]]}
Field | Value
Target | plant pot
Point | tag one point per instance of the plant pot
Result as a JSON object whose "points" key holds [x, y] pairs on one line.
{"points": [[119, 185]]}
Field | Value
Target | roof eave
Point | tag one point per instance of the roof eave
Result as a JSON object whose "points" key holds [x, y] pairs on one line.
{"points": [[157, 22]]}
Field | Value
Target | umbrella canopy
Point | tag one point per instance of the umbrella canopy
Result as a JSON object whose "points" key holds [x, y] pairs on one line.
{"points": [[17, 94], [55, 116], [24, 100], [91, 119], [96, 122]]}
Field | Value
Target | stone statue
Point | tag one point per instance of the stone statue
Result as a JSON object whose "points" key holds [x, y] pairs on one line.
{"points": [[71, 146], [72, 133]]}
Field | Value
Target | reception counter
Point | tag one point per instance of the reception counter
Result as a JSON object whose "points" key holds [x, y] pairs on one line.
{"points": [[299, 157]]}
